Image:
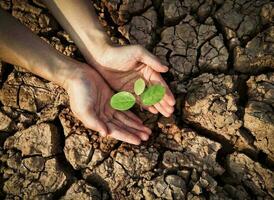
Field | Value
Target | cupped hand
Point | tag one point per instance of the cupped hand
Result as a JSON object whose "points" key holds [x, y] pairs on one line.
{"points": [[121, 66], [89, 100]]}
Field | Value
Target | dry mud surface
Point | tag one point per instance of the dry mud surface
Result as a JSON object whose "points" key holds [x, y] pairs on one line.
{"points": [[219, 144]]}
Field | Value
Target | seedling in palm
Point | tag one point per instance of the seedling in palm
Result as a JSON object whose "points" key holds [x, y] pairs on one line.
{"points": [[148, 96]]}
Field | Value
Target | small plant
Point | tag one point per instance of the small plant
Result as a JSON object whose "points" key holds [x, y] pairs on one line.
{"points": [[148, 96]]}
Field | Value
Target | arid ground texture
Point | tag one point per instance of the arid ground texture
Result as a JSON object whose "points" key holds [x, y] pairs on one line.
{"points": [[218, 144]]}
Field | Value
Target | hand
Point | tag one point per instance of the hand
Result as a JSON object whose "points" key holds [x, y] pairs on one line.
{"points": [[122, 66], [89, 100]]}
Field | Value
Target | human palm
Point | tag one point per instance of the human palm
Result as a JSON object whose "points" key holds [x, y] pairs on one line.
{"points": [[122, 66], [89, 101]]}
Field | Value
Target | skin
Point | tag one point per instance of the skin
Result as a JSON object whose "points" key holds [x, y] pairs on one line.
{"points": [[88, 92], [120, 66], [88, 84], [124, 126]]}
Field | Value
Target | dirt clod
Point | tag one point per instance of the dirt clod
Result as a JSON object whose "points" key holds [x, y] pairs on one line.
{"points": [[218, 144]]}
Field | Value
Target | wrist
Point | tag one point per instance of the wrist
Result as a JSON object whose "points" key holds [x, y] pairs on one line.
{"points": [[97, 44], [64, 68], [77, 73]]}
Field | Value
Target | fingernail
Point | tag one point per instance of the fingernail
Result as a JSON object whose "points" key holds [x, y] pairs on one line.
{"points": [[103, 134], [148, 130], [138, 142], [146, 138], [166, 68]]}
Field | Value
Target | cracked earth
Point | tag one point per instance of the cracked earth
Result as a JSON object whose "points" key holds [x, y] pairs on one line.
{"points": [[219, 143]]}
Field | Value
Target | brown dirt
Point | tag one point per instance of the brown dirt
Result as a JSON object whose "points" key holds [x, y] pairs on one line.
{"points": [[217, 145]]}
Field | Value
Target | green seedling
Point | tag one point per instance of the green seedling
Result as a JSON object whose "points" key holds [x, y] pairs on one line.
{"points": [[139, 86], [148, 96], [122, 101], [153, 95]]}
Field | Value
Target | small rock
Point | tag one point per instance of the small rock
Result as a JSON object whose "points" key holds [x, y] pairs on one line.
{"points": [[34, 164], [255, 177], [5, 122], [42, 139], [81, 190]]}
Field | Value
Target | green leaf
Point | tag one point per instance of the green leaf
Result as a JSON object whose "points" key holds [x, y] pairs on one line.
{"points": [[153, 95], [122, 101], [139, 86]]}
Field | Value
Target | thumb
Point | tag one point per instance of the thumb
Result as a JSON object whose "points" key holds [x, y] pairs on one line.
{"points": [[96, 124], [152, 61]]}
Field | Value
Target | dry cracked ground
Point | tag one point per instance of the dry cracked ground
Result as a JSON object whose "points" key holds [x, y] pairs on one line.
{"points": [[219, 144]]}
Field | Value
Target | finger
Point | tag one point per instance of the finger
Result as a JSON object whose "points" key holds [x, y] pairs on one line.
{"points": [[152, 61], [122, 135], [141, 134], [166, 106], [133, 116], [131, 123], [151, 109], [94, 123], [169, 98], [159, 107]]}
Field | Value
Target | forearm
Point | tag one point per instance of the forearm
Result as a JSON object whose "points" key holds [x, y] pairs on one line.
{"points": [[80, 20], [19, 46]]}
